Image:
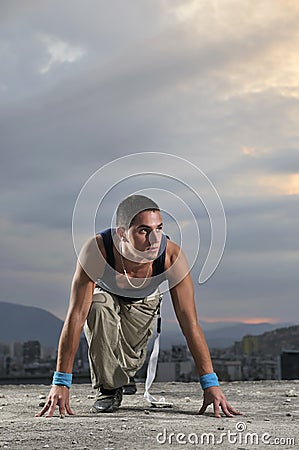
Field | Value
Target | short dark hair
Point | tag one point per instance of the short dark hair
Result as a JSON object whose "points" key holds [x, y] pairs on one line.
{"points": [[128, 209]]}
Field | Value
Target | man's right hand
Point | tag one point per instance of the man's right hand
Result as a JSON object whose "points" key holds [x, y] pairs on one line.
{"points": [[58, 396]]}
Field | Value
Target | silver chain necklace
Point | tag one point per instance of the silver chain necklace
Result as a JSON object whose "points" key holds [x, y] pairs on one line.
{"points": [[128, 279]]}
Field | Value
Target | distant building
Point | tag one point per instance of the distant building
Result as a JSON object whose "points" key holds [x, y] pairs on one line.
{"points": [[289, 365], [179, 353], [228, 369], [31, 353], [176, 365], [16, 353], [48, 353], [5, 359], [81, 363], [250, 344]]}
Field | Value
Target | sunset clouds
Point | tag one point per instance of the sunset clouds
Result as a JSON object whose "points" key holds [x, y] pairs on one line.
{"points": [[215, 82]]}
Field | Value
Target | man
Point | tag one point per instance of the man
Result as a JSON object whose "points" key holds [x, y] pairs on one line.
{"points": [[115, 297]]}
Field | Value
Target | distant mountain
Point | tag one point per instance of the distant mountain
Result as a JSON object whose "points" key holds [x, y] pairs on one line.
{"points": [[24, 323], [20, 323], [270, 343], [224, 336], [218, 335]]}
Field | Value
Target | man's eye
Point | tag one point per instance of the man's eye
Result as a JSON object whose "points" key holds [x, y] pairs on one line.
{"points": [[145, 230]]}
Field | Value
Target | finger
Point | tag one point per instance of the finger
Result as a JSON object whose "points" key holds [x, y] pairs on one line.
{"points": [[52, 408], [61, 410], [234, 411], [43, 410], [225, 410], [69, 410], [203, 408], [216, 410]]}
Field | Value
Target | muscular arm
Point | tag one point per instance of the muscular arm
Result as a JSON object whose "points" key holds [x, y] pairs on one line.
{"points": [[182, 294], [183, 301], [90, 265], [80, 301]]}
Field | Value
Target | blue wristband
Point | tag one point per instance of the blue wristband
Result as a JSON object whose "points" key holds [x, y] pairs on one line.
{"points": [[62, 379], [208, 380]]}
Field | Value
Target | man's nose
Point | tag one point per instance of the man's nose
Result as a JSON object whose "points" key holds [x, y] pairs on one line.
{"points": [[153, 237]]}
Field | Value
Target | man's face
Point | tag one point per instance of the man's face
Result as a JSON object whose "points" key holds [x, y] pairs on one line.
{"points": [[145, 234]]}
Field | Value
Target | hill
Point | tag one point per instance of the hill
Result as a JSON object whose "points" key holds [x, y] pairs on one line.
{"points": [[218, 335], [20, 323], [23, 323], [270, 343]]}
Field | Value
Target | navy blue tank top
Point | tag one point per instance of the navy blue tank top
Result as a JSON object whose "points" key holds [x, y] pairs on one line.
{"points": [[108, 280]]}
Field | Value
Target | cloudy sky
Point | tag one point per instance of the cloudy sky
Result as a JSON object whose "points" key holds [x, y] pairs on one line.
{"points": [[215, 82]]}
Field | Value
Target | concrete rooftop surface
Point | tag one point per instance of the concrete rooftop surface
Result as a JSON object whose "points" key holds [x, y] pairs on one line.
{"points": [[270, 420]]}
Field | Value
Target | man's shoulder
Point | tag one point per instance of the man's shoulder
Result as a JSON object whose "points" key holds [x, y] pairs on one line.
{"points": [[173, 250], [104, 237], [172, 247], [94, 243]]}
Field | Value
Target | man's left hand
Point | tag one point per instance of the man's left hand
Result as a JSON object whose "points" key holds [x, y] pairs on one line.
{"points": [[214, 395]]}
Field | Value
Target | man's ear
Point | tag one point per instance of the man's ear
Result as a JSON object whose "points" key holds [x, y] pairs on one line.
{"points": [[121, 233]]}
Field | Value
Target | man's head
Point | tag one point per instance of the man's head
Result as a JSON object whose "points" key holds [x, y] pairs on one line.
{"points": [[139, 227], [128, 209]]}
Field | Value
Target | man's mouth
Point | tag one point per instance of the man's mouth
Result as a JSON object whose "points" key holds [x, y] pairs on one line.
{"points": [[152, 249]]}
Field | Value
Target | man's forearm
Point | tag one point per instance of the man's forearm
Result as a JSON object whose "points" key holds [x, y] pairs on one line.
{"points": [[68, 344], [81, 298], [199, 349], [183, 300]]}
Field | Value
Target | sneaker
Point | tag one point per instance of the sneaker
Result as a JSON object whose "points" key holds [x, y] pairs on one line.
{"points": [[108, 400], [131, 388]]}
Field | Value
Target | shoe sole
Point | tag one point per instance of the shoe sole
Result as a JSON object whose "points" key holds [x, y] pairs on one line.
{"points": [[129, 391], [101, 411]]}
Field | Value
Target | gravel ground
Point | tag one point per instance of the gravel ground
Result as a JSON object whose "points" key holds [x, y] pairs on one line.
{"points": [[270, 420]]}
